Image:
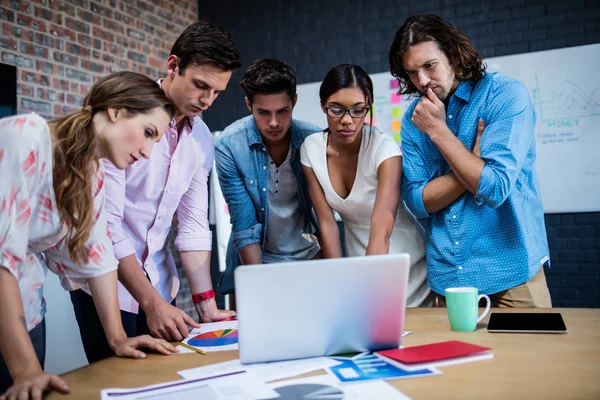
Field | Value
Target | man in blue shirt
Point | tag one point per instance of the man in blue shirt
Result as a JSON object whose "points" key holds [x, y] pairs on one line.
{"points": [[258, 164], [481, 208]]}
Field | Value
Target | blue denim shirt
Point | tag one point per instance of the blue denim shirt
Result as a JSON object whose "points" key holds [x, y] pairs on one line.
{"points": [[242, 159], [496, 239]]}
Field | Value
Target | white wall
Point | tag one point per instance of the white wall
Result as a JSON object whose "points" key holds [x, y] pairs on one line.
{"points": [[64, 351]]}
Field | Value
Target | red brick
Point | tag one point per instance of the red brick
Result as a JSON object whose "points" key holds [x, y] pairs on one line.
{"points": [[25, 20], [35, 77], [61, 84], [77, 25], [49, 68], [157, 63], [33, 50], [84, 40], [46, 94], [92, 66], [84, 89], [64, 7], [48, 15], [102, 34], [24, 90], [62, 47], [78, 50], [8, 43], [113, 26], [86, 16], [60, 32]]}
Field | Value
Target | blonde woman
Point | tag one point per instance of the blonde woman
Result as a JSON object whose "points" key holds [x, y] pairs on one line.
{"points": [[52, 217]]}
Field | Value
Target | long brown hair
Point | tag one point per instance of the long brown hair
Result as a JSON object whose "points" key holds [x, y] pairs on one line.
{"points": [[75, 159], [467, 63]]}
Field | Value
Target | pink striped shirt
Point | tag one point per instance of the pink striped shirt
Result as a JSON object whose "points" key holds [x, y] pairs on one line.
{"points": [[141, 202]]}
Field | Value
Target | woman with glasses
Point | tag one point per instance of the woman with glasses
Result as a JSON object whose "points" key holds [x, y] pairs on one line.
{"points": [[355, 169]]}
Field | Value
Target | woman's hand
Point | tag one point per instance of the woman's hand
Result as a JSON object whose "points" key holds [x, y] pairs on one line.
{"points": [[32, 385], [129, 347]]}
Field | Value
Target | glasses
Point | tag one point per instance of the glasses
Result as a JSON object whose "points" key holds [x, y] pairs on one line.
{"points": [[355, 112]]}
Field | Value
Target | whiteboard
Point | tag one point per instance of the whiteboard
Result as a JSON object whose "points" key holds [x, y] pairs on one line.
{"points": [[564, 85]]}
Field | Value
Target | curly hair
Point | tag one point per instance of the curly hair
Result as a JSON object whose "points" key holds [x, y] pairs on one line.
{"points": [[75, 158], [467, 63]]}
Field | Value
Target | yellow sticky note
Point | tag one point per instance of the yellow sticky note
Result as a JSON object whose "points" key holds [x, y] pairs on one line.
{"points": [[396, 112], [396, 125], [397, 137]]}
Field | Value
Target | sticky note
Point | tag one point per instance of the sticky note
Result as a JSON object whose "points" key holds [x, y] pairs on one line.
{"points": [[370, 120], [396, 125], [395, 98], [397, 137], [393, 84], [396, 112], [226, 209]]}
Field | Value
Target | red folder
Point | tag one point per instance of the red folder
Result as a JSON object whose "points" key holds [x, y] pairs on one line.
{"points": [[433, 352]]}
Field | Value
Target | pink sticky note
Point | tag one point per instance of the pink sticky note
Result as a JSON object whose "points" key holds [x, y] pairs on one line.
{"points": [[393, 84], [226, 209], [395, 98], [370, 120]]}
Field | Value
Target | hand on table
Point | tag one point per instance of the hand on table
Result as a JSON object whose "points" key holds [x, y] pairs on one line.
{"points": [[208, 312], [168, 322], [129, 347], [32, 385]]}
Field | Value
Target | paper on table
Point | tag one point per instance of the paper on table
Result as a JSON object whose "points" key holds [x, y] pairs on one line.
{"points": [[456, 360], [215, 336], [325, 387], [240, 385], [265, 371], [367, 367]]}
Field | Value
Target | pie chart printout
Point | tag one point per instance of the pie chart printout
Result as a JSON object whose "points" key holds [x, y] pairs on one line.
{"points": [[309, 391], [221, 337]]}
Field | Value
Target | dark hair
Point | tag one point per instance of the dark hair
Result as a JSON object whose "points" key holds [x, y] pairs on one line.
{"points": [[269, 76], [75, 160], [204, 43], [347, 76], [467, 63]]}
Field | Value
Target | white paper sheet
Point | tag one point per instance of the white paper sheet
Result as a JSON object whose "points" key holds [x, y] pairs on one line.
{"points": [[236, 386], [220, 342], [265, 371], [324, 387]]}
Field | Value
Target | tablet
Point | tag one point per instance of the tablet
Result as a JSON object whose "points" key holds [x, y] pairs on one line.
{"points": [[527, 323]]}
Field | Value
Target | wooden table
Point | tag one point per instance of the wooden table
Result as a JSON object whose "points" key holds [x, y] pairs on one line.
{"points": [[525, 366]]}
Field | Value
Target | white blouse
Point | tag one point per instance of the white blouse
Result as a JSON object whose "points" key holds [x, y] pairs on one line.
{"points": [[356, 209], [32, 237]]}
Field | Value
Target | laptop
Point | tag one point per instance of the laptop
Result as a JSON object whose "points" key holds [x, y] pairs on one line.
{"points": [[320, 307]]}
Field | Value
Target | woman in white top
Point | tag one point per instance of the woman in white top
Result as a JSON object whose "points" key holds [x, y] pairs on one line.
{"points": [[52, 216], [354, 169]]}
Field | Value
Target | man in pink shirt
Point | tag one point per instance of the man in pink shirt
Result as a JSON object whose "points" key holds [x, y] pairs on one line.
{"points": [[142, 200]]}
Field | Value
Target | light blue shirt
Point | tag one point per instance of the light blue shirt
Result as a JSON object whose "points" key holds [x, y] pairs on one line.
{"points": [[496, 239]]}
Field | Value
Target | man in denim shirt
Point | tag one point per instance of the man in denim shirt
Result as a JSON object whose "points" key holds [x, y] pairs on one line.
{"points": [[258, 164], [481, 208]]}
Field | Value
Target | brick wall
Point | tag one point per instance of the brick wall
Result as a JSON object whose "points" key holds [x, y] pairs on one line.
{"points": [[62, 47], [316, 35]]}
